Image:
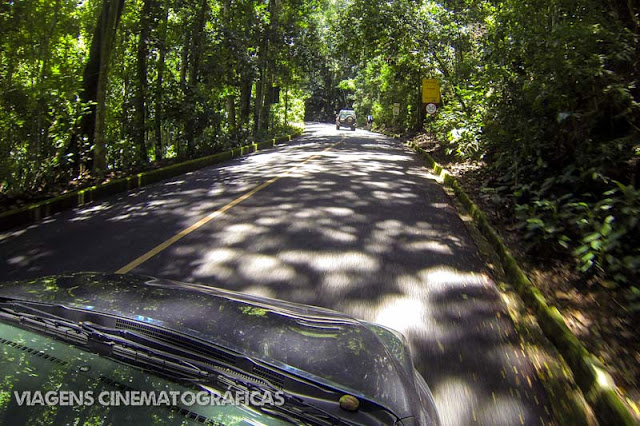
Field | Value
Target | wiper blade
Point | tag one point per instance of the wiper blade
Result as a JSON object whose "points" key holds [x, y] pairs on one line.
{"points": [[186, 358], [294, 408], [84, 334], [109, 342], [142, 355], [53, 325]]}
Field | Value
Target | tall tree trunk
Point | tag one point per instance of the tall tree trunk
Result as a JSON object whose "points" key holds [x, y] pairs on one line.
{"points": [[268, 100], [263, 102], [184, 66], [260, 89], [246, 85], [42, 112], [140, 126], [94, 85], [107, 27], [230, 81], [286, 107], [231, 113], [159, 150], [194, 65]]}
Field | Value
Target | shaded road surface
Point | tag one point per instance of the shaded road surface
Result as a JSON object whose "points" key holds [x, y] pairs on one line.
{"points": [[346, 220]]}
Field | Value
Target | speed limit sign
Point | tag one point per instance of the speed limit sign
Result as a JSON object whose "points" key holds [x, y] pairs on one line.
{"points": [[431, 109]]}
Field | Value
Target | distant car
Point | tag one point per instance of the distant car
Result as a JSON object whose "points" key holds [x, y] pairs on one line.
{"points": [[346, 118], [123, 349]]}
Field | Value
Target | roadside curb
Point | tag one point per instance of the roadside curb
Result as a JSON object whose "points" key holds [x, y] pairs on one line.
{"points": [[590, 374], [38, 211]]}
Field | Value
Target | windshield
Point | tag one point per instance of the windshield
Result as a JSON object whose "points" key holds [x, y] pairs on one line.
{"points": [[347, 113], [46, 381]]}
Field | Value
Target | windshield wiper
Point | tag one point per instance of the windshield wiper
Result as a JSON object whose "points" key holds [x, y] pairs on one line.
{"points": [[85, 335], [52, 325], [182, 357], [294, 408], [109, 343], [143, 355]]}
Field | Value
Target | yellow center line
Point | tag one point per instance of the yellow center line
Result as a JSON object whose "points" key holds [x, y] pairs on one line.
{"points": [[160, 247]]}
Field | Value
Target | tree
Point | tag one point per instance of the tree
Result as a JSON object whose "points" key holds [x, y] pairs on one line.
{"points": [[94, 82], [140, 129]]}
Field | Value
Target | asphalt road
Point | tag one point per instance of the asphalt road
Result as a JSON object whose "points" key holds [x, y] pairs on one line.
{"points": [[346, 220]]}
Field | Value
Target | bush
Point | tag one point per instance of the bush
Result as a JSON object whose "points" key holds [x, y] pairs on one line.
{"points": [[599, 228]]}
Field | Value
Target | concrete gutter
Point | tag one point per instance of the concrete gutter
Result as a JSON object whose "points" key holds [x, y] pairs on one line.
{"points": [[590, 374], [35, 212]]}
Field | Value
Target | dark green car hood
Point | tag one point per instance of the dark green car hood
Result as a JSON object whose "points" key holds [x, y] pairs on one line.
{"points": [[361, 358]]}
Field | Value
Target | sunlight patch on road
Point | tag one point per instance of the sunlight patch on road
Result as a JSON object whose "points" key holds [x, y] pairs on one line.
{"points": [[337, 235], [382, 185], [459, 403], [87, 213], [94, 209], [411, 310], [31, 258], [380, 195], [269, 221], [309, 168], [215, 192], [336, 284], [18, 261], [423, 174], [217, 263], [455, 398], [334, 261], [235, 234], [502, 410], [448, 276], [267, 268], [431, 246], [401, 313], [14, 234], [391, 224], [440, 205], [389, 232], [338, 211]]}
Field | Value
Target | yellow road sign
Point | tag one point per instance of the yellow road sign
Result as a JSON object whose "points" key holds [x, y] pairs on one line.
{"points": [[430, 91]]}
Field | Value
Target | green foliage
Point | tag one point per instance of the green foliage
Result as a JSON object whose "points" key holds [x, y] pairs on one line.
{"points": [[184, 80], [562, 127], [634, 299], [599, 228], [41, 43]]}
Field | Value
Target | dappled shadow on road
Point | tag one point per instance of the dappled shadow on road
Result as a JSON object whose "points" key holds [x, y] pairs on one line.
{"points": [[104, 235], [361, 228]]}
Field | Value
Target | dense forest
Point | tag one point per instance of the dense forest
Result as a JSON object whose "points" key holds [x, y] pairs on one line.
{"points": [[89, 87], [543, 93]]}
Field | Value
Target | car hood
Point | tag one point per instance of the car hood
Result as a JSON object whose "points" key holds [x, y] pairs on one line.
{"points": [[323, 345]]}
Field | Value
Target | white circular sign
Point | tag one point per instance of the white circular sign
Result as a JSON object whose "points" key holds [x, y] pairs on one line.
{"points": [[431, 109]]}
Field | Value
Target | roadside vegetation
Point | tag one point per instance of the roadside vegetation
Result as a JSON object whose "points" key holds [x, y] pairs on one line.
{"points": [[97, 88], [541, 93]]}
